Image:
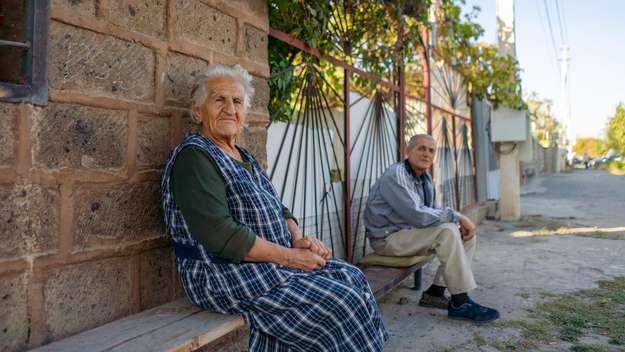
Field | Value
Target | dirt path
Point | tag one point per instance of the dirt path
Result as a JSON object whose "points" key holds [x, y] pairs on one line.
{"points": [[515, 272]]}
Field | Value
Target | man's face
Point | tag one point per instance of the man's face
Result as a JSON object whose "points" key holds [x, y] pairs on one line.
{"points": [[223, 112], [421, 156]]}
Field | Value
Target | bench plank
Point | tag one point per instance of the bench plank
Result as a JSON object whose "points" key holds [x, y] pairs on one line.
{"points": [[180, 327], [382, 279], [148, 324], [185, 335]]}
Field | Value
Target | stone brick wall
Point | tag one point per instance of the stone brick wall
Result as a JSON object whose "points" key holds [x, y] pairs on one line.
{"points": [[81, 230]]}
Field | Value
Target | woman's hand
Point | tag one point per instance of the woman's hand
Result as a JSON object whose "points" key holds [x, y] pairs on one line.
{"points": [[314, 245], [304, 259], [295, 258]]}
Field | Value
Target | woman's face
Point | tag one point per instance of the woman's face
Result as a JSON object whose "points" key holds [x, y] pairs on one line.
{"points": [[223, 112]]}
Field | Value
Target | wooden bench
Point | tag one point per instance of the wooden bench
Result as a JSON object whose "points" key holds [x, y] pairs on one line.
{"points": [[179, 326], [384, 273]]}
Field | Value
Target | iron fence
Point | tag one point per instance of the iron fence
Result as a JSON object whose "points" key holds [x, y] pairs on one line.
{"points": [[341, 135]]}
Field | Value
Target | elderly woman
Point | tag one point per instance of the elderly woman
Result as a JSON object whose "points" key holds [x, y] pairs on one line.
{"points": [[240, 251]]}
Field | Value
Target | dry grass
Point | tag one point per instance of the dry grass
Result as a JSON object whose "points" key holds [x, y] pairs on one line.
{"points": [[566, 318]]}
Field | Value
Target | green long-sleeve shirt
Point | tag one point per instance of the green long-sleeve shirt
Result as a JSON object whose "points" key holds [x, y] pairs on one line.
{"points": [[200, 193]]}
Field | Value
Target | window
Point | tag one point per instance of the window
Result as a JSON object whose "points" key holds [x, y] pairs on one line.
{"points": [[23, 51]]}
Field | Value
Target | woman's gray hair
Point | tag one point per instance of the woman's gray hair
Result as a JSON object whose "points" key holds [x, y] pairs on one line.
{"points": [[199, 92]]}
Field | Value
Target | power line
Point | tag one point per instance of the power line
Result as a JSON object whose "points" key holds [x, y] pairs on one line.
{"points": [[563, 34], [542, 26], [553, 42]]}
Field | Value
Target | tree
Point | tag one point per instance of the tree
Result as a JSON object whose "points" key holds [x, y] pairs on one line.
{"points": [[365, 34], [593, 147], [616, 130], [546, 128], [488, 74]]}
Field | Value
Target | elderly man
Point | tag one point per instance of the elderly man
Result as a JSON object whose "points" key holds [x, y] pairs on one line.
{"points": [[401, 219], [240, 251]]}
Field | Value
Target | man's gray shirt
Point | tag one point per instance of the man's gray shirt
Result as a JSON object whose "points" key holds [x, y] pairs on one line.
{"points": [[397, 201]]}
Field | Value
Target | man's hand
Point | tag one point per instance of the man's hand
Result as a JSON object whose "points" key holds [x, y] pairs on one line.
{"points": [[304, 259], [467, 228], [314, 245]]}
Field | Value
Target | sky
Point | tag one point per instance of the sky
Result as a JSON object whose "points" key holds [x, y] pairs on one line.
{"points": [[595, 33]]}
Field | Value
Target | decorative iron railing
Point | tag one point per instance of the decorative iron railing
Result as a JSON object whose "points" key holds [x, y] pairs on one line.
{"points": [[341, 136]]}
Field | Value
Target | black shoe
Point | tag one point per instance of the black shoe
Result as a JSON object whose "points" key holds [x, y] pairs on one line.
{"points": [[430, 301], [470, 310]]}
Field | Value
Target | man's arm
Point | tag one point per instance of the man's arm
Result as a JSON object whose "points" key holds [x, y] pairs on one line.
{"points": [[395, 190]]}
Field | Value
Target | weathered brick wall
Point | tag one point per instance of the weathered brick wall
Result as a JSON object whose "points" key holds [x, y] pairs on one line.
{"points": [[81, 231]]}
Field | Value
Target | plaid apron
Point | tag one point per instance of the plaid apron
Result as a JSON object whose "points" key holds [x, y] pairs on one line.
{"points": [[331, 309]]}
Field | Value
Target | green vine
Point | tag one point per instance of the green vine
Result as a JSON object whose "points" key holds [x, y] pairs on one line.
{"points": [[365, 34]]}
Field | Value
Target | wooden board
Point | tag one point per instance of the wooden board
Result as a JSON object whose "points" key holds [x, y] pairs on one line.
{"points": [[382, 279], [188, 334], [183, 323], [179, 326]]}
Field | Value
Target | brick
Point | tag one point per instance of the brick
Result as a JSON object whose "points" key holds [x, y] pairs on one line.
{"points": [[157, 285], [255, 44], [189, 126], [81, 8], [29, 220], [255, 140], [94, 64], [73, 136], [205, 26], [257, 8], [144, 16], [153, 141], [118, 214], [261, 95], [86, 295], [182, 72], [14, 322], [8, 133]]}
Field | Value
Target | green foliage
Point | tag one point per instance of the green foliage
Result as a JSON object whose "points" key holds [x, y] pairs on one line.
{"points": [[546, 128], [505, 345], [593, 147], [589, 348], [597, 311], [488, 74], [616, 130], [348, 30], [365, 34], [617, 167], [479, 340]]}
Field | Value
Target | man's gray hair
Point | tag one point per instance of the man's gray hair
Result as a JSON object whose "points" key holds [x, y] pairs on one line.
{"points": [[199, 92], [413, 141]]}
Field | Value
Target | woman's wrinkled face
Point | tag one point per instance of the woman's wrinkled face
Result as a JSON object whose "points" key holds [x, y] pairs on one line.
{"points": [[223, 112]]}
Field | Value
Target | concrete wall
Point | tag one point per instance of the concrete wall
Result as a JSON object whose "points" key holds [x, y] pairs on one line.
{"points": [[80, 221]]}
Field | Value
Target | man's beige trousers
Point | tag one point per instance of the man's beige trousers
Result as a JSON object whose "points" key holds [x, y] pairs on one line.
{"points": [[444, 241]]}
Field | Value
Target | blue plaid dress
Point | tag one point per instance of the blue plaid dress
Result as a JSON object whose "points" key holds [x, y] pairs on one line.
{"points": [[330, 309]]}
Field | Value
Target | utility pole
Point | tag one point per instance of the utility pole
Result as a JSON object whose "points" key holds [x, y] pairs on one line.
{"points": [[567, 137], [510, 185]]}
